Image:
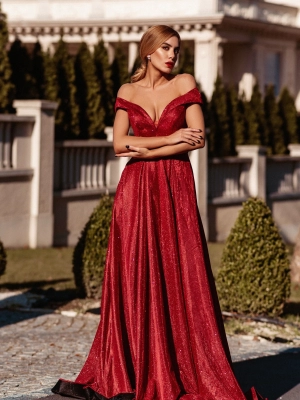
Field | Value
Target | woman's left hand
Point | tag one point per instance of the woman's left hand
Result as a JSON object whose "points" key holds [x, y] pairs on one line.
{"points": [[135, 152]]}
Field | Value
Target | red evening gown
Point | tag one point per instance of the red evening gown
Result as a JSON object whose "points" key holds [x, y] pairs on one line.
{"points": [[161, 335]]}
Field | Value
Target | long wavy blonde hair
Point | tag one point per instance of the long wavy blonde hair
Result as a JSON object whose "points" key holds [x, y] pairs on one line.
{"points": [[151, 40]]}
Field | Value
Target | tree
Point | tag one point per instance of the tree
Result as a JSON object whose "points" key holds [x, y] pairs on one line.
{"points": [[288, 114], [22, 76], [185, 62], [103, 71], [119, 70], [50, 78], [38, 70], [236, 122], [254, 276], [7, 89], [219, 137], [67, 115], [274, 123], [91, 114], [256, 104], [251, 126]]}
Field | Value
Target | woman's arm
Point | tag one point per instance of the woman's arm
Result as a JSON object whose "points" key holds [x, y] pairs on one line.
{"points": [[195, 121], [121, 127], [121, 138]]}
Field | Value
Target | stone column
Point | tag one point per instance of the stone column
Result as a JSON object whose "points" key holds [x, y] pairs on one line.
{"points": [[132, 55], [288, 71], [42, 155], [257, 184], [259, 64], [198, 160], [207, 60]]}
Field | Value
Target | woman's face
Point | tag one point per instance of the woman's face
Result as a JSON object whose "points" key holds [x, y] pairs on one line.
{"points": [[165, 57]]}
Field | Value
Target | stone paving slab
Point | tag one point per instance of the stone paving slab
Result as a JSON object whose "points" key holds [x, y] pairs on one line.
{"points": [[38, 348]]}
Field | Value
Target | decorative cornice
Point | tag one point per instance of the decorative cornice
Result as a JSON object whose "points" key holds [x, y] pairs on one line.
{"points": [[105, 26]]}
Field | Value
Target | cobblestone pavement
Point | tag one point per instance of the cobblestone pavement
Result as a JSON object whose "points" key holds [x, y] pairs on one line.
{"points": [[39, 348]]}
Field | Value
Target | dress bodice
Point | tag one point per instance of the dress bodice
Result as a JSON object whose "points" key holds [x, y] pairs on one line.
{"points": [[172, 117]]}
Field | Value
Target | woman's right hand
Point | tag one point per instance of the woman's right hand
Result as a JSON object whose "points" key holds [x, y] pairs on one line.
{"points": [[185, 135]]}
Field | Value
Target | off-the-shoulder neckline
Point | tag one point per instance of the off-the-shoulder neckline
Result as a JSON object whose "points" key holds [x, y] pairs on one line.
{"points": [[156, 123]]}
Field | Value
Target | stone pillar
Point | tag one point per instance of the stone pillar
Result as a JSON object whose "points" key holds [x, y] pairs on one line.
{"points": [[257, 178], [295, 152], [42, 155], [198, 160], [132, 55], [288, 71], [259, 64], [207, 60]]}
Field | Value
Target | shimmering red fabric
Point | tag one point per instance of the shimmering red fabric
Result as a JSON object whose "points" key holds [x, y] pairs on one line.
{"points": [[161, 335]]}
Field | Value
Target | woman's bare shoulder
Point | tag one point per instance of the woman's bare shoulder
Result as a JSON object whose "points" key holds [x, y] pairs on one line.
{"points": [[126, 91], [185, 83]]}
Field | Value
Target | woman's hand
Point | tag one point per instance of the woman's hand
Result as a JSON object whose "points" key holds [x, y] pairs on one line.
{"points": [[135, 152], [185, 135]]}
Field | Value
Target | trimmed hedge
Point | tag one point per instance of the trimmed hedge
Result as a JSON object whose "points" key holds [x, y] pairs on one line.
{"points": [[254, 276], [90, 252], [2, 259]]}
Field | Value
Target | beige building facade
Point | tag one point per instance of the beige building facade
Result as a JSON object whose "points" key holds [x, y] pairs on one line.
{"points": [[242, 40]]}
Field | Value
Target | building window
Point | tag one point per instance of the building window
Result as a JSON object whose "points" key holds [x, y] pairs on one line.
{"points": [[272, 70]]}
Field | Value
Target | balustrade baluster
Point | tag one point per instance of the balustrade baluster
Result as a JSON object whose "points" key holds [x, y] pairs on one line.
{"points": [[71, 183], [83, 159], [7, 161], [77, 167], [89, 167], [95, 158], [65, 168], [57, 169], [101, 167]]}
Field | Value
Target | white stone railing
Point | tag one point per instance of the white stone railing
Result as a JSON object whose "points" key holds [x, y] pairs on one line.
{"points": [[15, 144], [283, 175], [228, 179], [85, 166]]}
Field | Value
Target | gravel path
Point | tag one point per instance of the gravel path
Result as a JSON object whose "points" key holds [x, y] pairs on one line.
{"points": [[38, 348]]}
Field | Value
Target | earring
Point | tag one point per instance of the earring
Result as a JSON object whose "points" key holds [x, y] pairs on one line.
{"points": [[149, 57]]}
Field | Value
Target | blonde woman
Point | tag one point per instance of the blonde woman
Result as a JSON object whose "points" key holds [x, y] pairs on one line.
{"points": [[161, 335]]}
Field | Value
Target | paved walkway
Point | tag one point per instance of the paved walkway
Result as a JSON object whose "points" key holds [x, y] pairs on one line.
{"points": [[38, 348]]}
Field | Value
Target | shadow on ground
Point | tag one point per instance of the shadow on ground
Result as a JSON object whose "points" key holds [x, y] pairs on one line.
{"points": [[36, 300], [272, 376]]}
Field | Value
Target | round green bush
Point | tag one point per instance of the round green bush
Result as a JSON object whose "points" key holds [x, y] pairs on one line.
{"points": [[2, 259], [90, 252], [254, 276]]}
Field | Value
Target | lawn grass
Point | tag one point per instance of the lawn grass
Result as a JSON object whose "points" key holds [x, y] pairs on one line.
{"points": [[38, 268], [52, 268]]}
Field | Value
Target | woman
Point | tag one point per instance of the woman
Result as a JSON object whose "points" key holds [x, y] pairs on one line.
{"points": [[161, 335]]}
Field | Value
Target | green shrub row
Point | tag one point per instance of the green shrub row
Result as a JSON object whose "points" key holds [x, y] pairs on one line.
{"points": [[265, 121]]}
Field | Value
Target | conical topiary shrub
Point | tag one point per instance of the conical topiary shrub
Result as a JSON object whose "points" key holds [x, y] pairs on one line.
{"points": [[90, 252], [254, 276], [2, 259]]}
